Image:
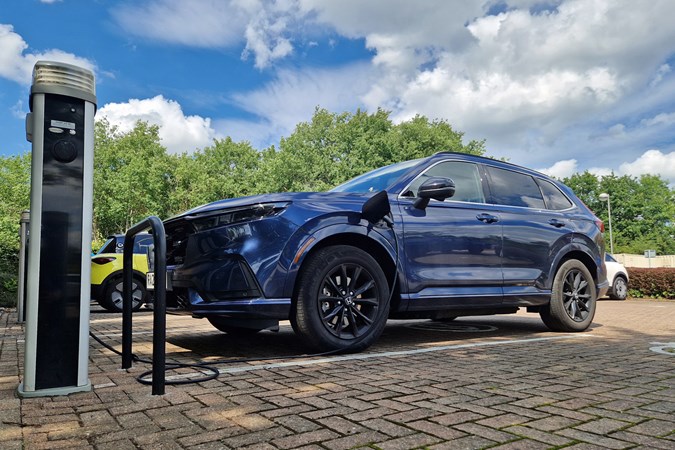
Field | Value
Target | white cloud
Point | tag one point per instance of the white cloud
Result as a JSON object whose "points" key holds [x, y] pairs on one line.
{"points": [[200, 23], [561, 169], [18, 110], [262, 25], [577, 78], [293, 95], [17, 66], [652, 162], [178, 132], [663, 119]]}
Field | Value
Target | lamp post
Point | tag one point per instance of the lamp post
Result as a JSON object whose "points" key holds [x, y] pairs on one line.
{"points": [[605, 197]]}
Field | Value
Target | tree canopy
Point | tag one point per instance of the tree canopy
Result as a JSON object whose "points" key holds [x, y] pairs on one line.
{"points": [[135, 177], [643, 209]]}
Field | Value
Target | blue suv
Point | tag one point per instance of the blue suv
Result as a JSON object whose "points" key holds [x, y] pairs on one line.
{"points": [[445, 236]]}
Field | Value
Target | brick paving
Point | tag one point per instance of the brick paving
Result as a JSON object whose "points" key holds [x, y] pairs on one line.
{"points": [[509, 385]]}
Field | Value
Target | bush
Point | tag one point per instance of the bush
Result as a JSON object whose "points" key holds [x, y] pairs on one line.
{"points": [[8, 278], [655, 283]]}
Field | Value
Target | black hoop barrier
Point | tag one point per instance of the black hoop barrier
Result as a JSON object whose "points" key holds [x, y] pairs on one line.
{"points": [[159, 304]]}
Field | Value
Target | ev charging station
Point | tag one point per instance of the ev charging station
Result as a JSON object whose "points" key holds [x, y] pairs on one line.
{"points": [[61, 129]]}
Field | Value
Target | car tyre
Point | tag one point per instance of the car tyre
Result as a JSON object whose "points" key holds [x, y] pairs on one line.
{"points": [[619, 289], [573, 299], [113, 295], [217, 322], [342, 301]]}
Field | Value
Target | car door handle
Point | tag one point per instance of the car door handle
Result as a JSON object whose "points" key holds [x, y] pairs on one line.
{"points": [[557, 223], [487, 218]]}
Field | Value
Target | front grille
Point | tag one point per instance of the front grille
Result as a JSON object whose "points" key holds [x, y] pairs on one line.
{"points": [[176, 241]]}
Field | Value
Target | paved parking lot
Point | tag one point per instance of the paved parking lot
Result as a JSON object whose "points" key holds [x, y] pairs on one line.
{"points": [[481, 382]]}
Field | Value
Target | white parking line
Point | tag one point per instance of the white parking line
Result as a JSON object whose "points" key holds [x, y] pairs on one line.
{"points": [[362, 356]]}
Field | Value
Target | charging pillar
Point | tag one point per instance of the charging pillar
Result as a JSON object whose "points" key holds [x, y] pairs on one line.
{"points": [[61, 129], [23, 260]]}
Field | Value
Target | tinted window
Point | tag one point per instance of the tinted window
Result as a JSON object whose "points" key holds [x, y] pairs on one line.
{"points": [[514, 189], [554, 199], [468, 185]]}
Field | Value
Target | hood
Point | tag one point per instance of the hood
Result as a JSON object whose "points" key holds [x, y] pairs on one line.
{"points": [[294, 197]]}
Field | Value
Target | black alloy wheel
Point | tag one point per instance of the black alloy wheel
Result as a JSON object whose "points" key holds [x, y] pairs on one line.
{"points": [[348, 301], [573, 299], [343, 299]]}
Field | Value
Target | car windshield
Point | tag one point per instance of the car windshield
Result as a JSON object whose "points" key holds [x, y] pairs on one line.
{"points": [[376, 180], [609, 258]]}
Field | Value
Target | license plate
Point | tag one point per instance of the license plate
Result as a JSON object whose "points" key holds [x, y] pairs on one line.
{"points": [[150, 281]]}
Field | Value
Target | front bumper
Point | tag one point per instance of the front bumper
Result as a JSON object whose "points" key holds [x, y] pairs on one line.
{"points": [[243, 308]]}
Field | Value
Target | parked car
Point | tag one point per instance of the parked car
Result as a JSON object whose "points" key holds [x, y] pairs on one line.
{"points": [[617, 275], [439, 237], [106, 273]]}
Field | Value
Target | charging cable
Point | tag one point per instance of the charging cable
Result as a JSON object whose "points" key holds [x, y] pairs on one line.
{"points": [[210, 372]]}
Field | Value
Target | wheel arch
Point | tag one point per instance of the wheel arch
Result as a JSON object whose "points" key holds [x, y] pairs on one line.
{"points": [[586, 259], [382, 255], [120, 273]]}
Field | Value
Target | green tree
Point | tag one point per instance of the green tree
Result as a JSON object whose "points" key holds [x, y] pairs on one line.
{"points": [[643, 209], [132, 177], [420, 137], [224, 170], [14, 198], [332, 148]]}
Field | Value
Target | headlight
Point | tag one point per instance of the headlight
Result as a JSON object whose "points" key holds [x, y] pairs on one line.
{"points": [[220, 218]]}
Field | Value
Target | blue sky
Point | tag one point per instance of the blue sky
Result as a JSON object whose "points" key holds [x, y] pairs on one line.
{"points": [[557, 85]]}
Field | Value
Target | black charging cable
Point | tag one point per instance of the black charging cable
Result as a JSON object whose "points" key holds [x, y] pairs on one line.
{"points": [[212, 372]]}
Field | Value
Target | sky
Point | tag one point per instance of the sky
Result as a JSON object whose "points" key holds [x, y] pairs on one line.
{"points": [[561, 86]]}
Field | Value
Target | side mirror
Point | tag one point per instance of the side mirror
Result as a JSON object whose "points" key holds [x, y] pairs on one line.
{"points": [[437, 188]]}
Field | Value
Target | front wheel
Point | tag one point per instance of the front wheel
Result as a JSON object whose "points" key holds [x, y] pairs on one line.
{"points": [[573, 299], [343, 299]]}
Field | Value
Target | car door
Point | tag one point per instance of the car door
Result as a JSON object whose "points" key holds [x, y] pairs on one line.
{"points": [[535, 228], [452, 247]]}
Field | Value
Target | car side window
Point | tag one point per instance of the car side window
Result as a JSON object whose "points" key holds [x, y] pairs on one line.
{"points": [[468, 184], [553, 198], [514, 189]]}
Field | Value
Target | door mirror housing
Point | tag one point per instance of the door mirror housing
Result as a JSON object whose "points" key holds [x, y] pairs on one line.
{"points": [[438, 188]]}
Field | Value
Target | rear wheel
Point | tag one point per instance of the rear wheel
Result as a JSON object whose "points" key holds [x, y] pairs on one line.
{"points": [[619, 289], [573, 299], [113, 294], [343, 299]]}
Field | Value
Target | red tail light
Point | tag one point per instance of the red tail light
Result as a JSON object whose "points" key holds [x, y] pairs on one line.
{"points": [[102, 260], [600, 224]]}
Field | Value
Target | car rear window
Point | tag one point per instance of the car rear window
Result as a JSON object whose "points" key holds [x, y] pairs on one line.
{"points": [[514, 189], [554, 199]]}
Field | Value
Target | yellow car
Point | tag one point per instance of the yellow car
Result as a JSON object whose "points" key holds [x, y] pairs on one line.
{"points": [[106, 273]]}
